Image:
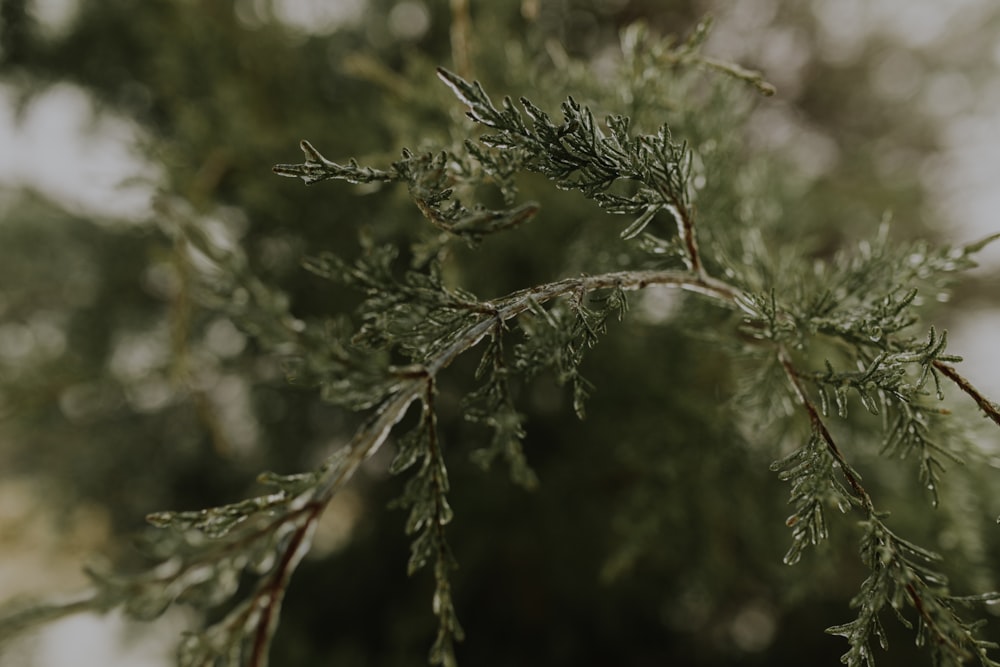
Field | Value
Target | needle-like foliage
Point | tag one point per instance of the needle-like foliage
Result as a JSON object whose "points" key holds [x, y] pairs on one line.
{"points": [[839, 330]]}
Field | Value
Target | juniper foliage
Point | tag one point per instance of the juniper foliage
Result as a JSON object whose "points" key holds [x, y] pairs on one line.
{"points": [[837, 330]]}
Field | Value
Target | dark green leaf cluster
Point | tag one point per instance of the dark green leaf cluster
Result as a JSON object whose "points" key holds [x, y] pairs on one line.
{"points": [[812, 472], [216, 522], [222, 279], [319, 354], [206, 558], [425, 495], [866, 296], [909, 431], [858, 310], [869, 323], [317, 168], [577, 154], [416, 314], [898, 375], [764, 318], [493, 405], [859, 306], [345, 372], [431, 185], [431, 179], [557, 338], [855, 312], [903, 577]]}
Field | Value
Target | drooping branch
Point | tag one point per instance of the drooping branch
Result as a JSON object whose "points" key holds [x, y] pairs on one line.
{"points": [[816, 419]]}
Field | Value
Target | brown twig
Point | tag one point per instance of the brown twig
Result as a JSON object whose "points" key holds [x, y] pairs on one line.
{"points": [[461, 27], [820, 427], [918, 604], [988, 407], [685, 229], [273, 588]]}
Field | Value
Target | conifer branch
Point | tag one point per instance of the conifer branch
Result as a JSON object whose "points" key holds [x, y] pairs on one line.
{"points": [[753, 77], [688, 53], [578, 154], [989, 408], [818, 425], [18, 616], [434, 325], [411, 384], [900, 570], [272, 590], [902, 575], [431, 324], [431, 179]]}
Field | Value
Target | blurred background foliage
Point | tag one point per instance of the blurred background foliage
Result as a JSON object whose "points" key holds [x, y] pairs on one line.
{"points": [[657, 534]]}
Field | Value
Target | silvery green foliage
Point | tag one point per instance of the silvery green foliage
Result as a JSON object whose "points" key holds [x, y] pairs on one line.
{"points": [[843, 329]]}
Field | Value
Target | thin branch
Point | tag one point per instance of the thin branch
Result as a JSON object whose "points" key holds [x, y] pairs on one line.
{"points": [[685, 228], [273, 588], [988, 407], [942, 638], [753, 77], [820, 426], [373, 434], [461, 28]]}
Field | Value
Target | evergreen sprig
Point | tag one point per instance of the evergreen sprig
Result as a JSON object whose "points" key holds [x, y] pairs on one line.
{"points": [[811, 471], [860, 307], [431, 179], [415, 315], [842, 303], [909, 431], [425, 495], [206, 557], [576, 154], [893, 367], [898, 566], [898, 375], [492, 404], [903, 576]]}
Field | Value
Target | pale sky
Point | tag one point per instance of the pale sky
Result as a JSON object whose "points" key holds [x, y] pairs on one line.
{"points": [[87, 161]]}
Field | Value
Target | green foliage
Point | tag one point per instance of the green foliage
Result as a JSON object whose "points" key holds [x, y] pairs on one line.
{"points": [[429, 513], [811, 471], [577, 155], [902, 576], [834, 330], [493, 405], [431, 179]]}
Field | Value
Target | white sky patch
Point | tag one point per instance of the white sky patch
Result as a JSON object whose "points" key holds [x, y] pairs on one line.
{"points": [[86, 161], [55, 16], [919, 23], [848, 24], [409, 20], [966, 177], [318, 17], [974, 337], [87, 640]]}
